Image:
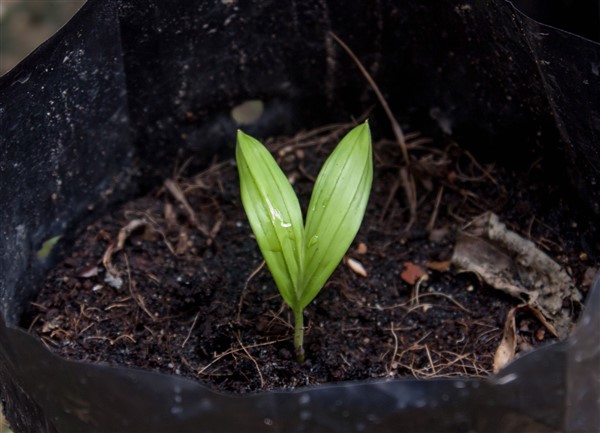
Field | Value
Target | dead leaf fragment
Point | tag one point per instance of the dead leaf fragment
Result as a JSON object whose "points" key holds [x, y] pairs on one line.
{"points": [[411, 273], [506, 349], [516, 266]]}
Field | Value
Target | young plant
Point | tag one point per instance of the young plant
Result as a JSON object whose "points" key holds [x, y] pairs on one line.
{"points": [[302, 257]]}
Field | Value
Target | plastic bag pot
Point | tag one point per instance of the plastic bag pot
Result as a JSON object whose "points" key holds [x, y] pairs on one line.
{"points": [[100, 111]]}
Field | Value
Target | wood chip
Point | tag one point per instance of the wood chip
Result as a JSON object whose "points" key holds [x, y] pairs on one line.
{"points": [[443, 266], [356, 267]]}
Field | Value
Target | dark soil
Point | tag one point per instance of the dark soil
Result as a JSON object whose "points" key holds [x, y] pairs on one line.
{"points": [[192, 301]]}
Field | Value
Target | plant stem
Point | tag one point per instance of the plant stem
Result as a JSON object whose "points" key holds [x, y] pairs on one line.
{"points": [[299, 335]]}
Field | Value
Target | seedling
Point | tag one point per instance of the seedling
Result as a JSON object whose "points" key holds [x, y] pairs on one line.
{"points": [[302, 257]]}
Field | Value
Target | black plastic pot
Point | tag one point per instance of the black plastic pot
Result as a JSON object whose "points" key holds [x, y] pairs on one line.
{"points": [[101, 110]]}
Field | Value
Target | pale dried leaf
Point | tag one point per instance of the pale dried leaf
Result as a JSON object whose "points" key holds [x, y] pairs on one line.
{"points": [[506, 349], [356, 267], [515, 265]]}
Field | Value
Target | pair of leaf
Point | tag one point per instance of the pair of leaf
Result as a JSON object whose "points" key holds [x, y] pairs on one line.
{"points": [[301, 258]]}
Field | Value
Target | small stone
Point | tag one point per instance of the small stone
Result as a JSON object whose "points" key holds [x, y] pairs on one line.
{"points": [[362, 248], [540, 334]]}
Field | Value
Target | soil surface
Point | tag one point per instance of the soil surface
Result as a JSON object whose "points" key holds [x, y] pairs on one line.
{"points": [[186, 293]]}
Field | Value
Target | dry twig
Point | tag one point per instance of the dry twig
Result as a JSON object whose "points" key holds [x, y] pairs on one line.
{"points": [[260, 375], [407, 178]]}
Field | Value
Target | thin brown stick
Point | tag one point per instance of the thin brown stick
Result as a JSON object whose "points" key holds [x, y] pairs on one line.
{"points": [[395, 126], [276, 317], [243, 294], [389, 199], [311, 138], [436, 208], [232, 351], [419, 143], [430, 360], [87, 328], [486, 173], [395, 352], [190, 331], [136, 297], [407, 178], [410, 190], [156, 227], [450, 298], [124, 233], [178, 171], [260, 375], [178, 194], [33, 322]]}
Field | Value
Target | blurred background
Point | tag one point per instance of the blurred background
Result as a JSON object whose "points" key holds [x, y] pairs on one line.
{"points": [[25, 24]]}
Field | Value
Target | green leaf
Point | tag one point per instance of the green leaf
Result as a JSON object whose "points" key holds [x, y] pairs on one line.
{"points": [[336, 209], [47, 247], [274, 214]]}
